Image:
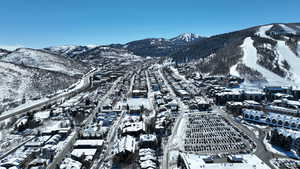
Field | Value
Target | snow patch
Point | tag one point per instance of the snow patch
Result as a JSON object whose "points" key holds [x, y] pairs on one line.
{"points": [[262, 31]]}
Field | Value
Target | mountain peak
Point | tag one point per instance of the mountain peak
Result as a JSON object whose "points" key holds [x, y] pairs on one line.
{"points": [[186, 37]]}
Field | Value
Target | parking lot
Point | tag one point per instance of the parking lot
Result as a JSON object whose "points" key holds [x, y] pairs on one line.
{"points": [[209, 133]]}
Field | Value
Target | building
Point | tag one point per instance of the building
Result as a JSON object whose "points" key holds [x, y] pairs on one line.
{"points": [[272, 119], [148, 141], [124, 149], [287, 139], [139, 93], [245, 161], [271, 90]]}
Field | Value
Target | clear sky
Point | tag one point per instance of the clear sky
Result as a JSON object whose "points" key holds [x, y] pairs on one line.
{"points": [[42, 23]]}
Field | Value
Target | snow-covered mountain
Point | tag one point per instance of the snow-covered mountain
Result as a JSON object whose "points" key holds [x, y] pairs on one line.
{"points": [[153, 47], [96, 54], [45, 60], [3, 52], [274, 52], [186, 38], [17, 81], [268, 53], [70, 50], [156, 47]]}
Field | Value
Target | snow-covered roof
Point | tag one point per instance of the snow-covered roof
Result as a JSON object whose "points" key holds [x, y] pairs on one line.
{"points": [[148, 157], [126, 143], [69, 163], [251, 102], [87, 152], [289, 102], [133, 127], [145, 151], [250, 161], [254, 92], [148, 137], [89, 142], [253, 112], [283, 117], [148, 164], [287, 132]]}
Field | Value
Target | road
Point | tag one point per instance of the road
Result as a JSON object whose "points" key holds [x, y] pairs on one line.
{"points": [[182, 108], [15, 148], [111, 136], [39, 103], [260, 150]]}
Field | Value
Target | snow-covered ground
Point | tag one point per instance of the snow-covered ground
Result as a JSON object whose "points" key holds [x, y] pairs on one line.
{"points": [[283, 53], [288, 29], [14, 81], [250, 60], [262, 31], [44, 60]]}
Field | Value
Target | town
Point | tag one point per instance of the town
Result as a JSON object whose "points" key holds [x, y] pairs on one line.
{"points": [[149, 115]]}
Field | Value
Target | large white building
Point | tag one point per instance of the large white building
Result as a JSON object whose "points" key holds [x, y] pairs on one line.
{"points": [[246, 161], [273, 119]]}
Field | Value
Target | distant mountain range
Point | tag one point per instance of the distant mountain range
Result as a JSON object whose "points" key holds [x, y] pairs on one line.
{"points": [[152, 47], [267, 53]]}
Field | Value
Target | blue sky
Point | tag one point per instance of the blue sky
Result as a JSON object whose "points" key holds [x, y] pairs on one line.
{"points": [[42, 23]]}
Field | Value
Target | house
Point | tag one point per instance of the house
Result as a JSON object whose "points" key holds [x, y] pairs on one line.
{"points": [[183, 94], [124, 149], [84, 155], [202, 104], [173, 105], [148, 141], [89, 143], [139, 93], [271, 90], [234, 107], [255, 95], [272, 119], [68, 163], [287, 103], [133, 128], [233, 95]]}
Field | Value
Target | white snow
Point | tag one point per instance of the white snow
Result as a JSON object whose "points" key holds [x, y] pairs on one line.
{"points": [[42, 114], [285, 53], [288, 29], [250, 161], [262, 31], [14, 81], [137, 102], [177, 73], [43, 60], [250, 58], [187, 37]]}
